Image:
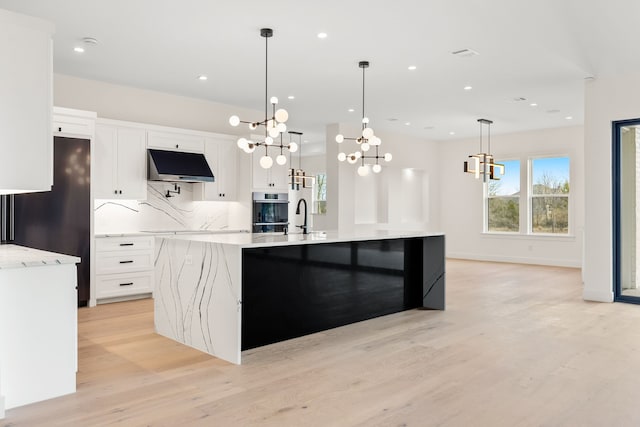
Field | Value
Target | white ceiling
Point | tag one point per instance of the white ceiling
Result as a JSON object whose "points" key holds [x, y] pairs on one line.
{"points": [[541, 50]]}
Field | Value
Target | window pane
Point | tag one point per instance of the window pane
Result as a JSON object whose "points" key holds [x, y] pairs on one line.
{"points": [[504, 214], [550, 175], [550, 214], [509, 184], [319, 198]]}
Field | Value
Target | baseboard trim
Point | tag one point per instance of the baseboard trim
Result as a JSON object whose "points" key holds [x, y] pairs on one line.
{"points": [[597, 296], [519, 260]]}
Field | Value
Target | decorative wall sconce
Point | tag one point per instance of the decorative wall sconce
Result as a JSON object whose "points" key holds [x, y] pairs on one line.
{"points": [[482, 164]]}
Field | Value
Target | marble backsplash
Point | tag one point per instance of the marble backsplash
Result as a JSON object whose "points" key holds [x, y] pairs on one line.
{"points": [[158, 212]]}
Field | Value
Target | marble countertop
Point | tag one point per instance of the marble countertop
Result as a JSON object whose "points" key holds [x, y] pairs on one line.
{"points": [[166, 233], [248, 240], [14, 256]]}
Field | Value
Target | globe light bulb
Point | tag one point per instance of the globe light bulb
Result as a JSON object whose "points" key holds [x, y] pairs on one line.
{"points": [[376, 168], [274, 132], [293, 147], [281, 115], [270, 124], [339, 138], [250, 148], [252, 126], [242, 143], [342, 157], [273, 100], [367, 133], [365, 146], [375, 140], [365, 120], [268, 140], [282, 128], [266, 162], [234, 121], [281, 159], [363, 170], [388, 157], [358, 154], [351, 158]]}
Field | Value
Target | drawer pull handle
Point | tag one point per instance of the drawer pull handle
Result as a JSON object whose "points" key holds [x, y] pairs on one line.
{"points": [[126, 244], [126, 284], [126, 262]]}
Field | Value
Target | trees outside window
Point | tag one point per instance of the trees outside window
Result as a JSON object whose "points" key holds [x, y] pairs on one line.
{"points": [[503, 200], [550, 195]]}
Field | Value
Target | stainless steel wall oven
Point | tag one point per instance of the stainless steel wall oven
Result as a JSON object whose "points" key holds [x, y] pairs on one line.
{"points": [[270, 212]]}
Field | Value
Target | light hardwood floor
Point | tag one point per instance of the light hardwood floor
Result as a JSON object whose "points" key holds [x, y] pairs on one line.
{"points": [[517, 346]]}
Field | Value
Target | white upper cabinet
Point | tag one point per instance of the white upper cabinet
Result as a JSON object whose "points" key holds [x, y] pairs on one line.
{"points": [[26, 104], [175, 141], [222, 156], [120, 163], [73, 123], [274, 178]]}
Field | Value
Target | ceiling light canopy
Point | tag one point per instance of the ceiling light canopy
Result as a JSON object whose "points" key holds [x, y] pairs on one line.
{"points": [[274, 126], [365, 141]]}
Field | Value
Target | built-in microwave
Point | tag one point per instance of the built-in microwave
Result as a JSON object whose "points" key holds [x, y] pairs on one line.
{"points": [[270, 212]]}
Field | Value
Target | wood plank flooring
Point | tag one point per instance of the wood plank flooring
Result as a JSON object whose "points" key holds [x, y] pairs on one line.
{"points": [[517, 346]]}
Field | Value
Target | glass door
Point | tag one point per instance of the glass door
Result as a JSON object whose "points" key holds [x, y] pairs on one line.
{"points": [[626, 201]]}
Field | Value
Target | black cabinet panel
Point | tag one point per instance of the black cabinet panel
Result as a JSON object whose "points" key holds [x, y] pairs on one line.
{"points": [[290, 291]]}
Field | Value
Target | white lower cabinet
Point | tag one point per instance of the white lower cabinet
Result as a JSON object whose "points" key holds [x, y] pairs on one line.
{"points": [[124, 267]]}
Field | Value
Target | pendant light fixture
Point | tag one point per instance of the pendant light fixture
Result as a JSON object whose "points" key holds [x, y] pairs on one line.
{"points": [[365, 142], [482, 164], [274, 126], [298, 177]]}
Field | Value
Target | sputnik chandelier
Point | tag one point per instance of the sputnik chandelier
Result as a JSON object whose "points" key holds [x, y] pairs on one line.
{"points": [[482, 164], [274, 126], [298, 178], [365, 141]]}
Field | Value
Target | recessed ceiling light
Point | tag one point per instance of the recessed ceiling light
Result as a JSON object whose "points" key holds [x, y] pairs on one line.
{"points": [[412, 67], [351, 110], [322, 35], [202, 77], [78, 49], [569, 118], [452, 133], [407, 124], [468, 88], [291, 97], [533, 104]]}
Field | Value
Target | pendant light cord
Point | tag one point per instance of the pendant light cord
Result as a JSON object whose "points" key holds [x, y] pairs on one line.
{"points": [[363, 116], [266, 84]]}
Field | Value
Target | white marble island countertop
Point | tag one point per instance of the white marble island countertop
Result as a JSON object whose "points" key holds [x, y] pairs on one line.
{"points": [[15, 256], [248, 240]]}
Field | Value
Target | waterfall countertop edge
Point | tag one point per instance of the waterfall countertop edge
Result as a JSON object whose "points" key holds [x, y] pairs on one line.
{"points": [[15, 256]]}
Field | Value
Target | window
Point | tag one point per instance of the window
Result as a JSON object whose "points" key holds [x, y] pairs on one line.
{"points": [[549, 192], [319, 205], [503, 200]]}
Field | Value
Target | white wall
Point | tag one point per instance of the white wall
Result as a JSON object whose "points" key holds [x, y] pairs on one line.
{"points": [[382, 201], [606, 100], [461, 201]]}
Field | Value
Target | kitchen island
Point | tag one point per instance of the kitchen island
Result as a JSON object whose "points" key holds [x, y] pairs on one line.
{"points": [[226, 293]]}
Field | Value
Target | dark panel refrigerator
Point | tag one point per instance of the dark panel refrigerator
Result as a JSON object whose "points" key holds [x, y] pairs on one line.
{"points": [[60, 220]]}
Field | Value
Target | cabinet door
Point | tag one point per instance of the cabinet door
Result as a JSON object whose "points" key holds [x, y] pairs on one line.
{"points": [[132, 165], [176, 141], [261, 179], [25, 104], [227, 170], [208, 191], [104, 164], [279, 176]]}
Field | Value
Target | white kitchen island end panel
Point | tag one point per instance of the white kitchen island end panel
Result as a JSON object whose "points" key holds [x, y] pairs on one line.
{"points": [[198, 295]]}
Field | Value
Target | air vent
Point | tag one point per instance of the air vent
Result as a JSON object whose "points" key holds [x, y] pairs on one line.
{"points": [[465, 53], [519, 99], [392, 120]]}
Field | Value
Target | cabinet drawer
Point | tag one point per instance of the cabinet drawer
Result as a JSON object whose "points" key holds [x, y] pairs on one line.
{"points": [[137, 243], [116, 285], [113, 262], [175, 141]]}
